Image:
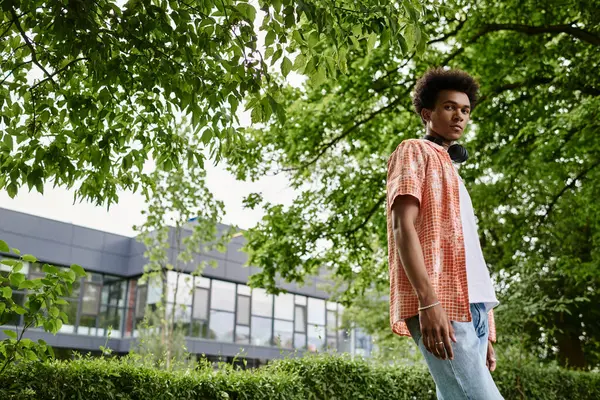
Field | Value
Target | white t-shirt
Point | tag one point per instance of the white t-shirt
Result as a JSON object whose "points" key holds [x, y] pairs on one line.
{"points": [[478, 276]]}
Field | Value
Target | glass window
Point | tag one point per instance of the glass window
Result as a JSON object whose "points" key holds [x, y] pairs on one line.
{"points": [[316, 337], [91, 299], [201, 304], [331, 306], [93, 277], [243, 289], [300, 321], [87, 325], [331, 322], [344, 341], [183, 313], [182, 283], [113, 292], [71, 310], [221, 325], [316, 311], [222, 296], [202, 282], [110, 317], [331, 342], [243, 310], [261, 331], [284, 334], [262, 303], [300, 300], [154, 290], [284, 306], [299, 340], [140, 302], [200, 329], [242, 334]]}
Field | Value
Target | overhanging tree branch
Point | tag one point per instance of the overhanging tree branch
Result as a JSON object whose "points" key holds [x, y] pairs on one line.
{"points": [[571, 185], [370, 214], [536, 30], [30, 45], [449, 34], [345, 133], [58, 71], [516, 85]]}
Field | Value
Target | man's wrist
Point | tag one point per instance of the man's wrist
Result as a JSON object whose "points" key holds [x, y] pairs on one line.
{"points": [[427, 299]]}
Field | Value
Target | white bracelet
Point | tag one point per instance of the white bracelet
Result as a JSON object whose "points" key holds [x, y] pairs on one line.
{"points": [[429, 306]]}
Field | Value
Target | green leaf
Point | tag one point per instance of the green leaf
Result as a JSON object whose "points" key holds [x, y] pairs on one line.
{"points": [[16, 279], [10, 333], [50, 269], [403, 44], [286, 66], [270, 38], [247, 10], [29, 258], [371, 41], [4, 247], [6, 292], [299, 63], [78, 270]]}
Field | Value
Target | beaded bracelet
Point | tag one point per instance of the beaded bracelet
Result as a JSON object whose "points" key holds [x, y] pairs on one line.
{"points": [[429, 306]]}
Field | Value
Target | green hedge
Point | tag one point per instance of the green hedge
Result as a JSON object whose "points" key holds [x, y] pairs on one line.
{"points": [[321, 377]]}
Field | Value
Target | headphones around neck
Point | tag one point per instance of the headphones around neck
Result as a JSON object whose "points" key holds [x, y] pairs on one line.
{"points": [[457, 153]]}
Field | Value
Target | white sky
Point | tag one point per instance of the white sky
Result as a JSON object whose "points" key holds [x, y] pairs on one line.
{"points": [[57, 203]]}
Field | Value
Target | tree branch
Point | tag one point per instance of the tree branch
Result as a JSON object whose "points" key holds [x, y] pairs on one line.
{"points": [[510, 86], [13, 70], [345, 133], [371, 212], [58, 71], [30, 45], [579, 33], [449, 34], [571, 184]]}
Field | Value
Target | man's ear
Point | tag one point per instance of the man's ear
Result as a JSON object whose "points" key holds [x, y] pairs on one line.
{"points": [[425, 115]]}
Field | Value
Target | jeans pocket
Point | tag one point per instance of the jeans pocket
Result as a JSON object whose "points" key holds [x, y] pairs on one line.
{"points": [[480, 320], [475, 316]]}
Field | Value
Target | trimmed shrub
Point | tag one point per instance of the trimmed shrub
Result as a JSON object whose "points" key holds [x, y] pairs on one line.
{"points": [[102, 379], [323, 377]]}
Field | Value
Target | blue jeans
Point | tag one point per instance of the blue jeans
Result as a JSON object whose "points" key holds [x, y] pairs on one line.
{"points": [[465, 377]]}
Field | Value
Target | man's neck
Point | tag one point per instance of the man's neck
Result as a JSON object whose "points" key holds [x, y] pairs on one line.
{"points": [[445, 143]]}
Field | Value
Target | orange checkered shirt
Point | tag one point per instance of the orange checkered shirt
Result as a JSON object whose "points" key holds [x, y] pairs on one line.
{"points": [[424, 170]]}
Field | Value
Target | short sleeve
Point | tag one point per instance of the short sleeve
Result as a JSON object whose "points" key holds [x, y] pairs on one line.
{"points": [[492, 326], [406, 171]]}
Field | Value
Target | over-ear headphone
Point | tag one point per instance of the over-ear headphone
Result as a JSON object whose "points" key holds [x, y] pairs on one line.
{"points": [[457, 153]]}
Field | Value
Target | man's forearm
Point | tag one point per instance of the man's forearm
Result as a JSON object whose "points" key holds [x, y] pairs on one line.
{"points": [[411, 255]]}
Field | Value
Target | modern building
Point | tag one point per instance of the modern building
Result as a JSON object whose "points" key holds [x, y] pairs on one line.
{"points": [[221, 314]]}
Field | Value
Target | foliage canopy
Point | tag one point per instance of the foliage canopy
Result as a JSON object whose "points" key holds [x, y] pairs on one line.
{"points": [[533, 173]]}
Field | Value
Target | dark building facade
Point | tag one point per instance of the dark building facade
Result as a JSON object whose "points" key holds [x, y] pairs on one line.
{"points": [[220, 314]]}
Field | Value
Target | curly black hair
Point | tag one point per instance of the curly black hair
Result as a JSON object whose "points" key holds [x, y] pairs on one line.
{"points": [[437, 79]]}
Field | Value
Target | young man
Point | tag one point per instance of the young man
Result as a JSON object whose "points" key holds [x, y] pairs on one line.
{"points": [[441, 293]]}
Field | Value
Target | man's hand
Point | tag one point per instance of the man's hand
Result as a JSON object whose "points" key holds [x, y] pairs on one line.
{"points": [[437, 332], [490, 360]]}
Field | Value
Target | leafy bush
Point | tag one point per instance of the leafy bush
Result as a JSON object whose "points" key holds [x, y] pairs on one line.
{"points": [[122, 379], [313, 377]]}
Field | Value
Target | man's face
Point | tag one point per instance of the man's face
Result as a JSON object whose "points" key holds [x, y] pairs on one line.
{"points": [[450, 115]]}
